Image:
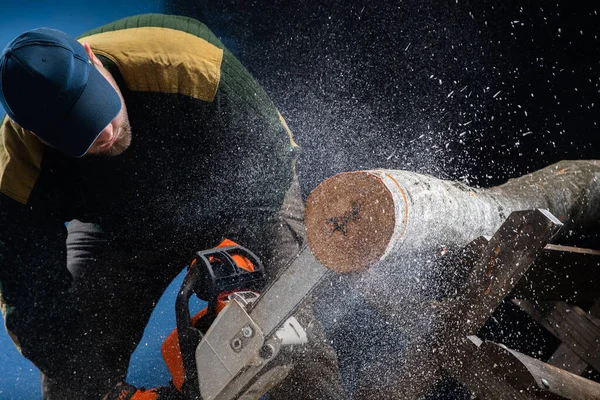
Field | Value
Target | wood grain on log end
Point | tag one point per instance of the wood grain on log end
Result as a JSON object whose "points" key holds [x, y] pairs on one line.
{"points": [[350, 219]]}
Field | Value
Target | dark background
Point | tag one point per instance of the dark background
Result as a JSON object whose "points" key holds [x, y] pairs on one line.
{"points": [[478, 91]]}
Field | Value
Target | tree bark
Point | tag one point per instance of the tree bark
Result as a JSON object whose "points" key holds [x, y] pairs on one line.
{"points": [[358, 220]]}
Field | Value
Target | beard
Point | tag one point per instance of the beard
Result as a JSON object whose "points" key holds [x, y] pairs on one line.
{"points": [[121, 144]]}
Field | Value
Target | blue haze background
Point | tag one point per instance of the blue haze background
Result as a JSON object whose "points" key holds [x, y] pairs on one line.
{"points": [[19, 379]]}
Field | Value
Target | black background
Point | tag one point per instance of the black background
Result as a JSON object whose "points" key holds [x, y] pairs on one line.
{"points": [[477, 91]]}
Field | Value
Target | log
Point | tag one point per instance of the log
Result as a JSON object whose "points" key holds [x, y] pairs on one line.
{"points": [[394, 227], [357, 220]]}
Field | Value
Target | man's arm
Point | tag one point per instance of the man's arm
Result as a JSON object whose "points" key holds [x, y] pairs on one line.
{"points": [[34, 285]]}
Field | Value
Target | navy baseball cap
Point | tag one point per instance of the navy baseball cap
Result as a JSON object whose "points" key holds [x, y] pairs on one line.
{"points": [[48, 85]]}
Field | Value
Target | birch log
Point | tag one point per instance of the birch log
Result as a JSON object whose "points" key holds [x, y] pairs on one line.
{"points": [[357, 220]]}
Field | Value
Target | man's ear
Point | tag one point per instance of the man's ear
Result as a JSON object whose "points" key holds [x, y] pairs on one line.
{"points": [[91, 54]]}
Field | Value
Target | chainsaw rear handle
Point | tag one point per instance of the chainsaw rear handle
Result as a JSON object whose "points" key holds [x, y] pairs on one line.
{"points": [[212, 273], [228, 269]]}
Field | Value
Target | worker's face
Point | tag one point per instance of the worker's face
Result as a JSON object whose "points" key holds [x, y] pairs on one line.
{"points": [[116, 137]]}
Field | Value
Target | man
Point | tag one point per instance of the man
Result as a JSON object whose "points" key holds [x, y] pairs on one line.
{"points": [[152, 141]]}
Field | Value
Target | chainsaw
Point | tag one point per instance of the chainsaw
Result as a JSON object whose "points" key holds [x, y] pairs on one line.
{"points": [[229, 350]]}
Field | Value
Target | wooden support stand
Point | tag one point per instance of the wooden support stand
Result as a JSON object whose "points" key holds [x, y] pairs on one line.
{"points": [[577, 330], [515, 375], [508, 264]]}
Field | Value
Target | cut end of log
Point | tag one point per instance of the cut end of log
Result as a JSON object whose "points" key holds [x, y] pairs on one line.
{"points": [[350, 220]]}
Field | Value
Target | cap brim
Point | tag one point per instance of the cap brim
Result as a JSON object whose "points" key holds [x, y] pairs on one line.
{"points": [[97, 106]]}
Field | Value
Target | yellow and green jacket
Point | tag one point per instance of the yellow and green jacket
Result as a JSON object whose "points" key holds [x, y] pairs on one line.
{"points": [[208, 147]]}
